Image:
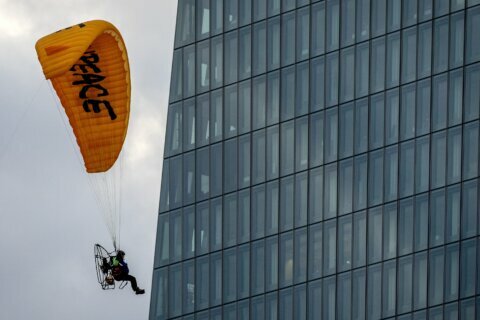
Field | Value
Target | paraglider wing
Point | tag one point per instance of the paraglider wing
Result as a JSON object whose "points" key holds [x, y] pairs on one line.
{"points": [[88, 66]]}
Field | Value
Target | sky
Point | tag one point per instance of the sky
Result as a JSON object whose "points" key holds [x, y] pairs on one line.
{"points": [[49, 219]]}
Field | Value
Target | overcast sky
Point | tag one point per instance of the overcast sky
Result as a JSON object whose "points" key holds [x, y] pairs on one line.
{"points": [[49, 220]]}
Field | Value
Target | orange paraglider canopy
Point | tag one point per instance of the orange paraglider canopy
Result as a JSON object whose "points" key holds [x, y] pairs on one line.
{"points": [[88, 66]]}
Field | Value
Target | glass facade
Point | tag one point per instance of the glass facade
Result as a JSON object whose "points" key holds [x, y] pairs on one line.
{"points": [[321, 162]]}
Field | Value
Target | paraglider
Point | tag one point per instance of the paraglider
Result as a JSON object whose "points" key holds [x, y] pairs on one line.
{"points": [[88, 67]]}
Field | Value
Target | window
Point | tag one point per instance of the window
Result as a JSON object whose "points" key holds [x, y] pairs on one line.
{"points": [[420, 281], [361, 69], [231, 14], [330, 191], [405, 227], [243, 219], [390, 231], [230, 111], [331, 135], [315, 248], [469, 208], [286, 203], [176, 79], [457, 22], [288, 39], [439, 159], [422, 164], [273, 98], [203, 119], [455, 97], [175, 236], [332, 79], [391, 174], [423, 107], [440, 45], [317, 80], [346, 115], [394, 11], [230, 220], [203, 173], [229, 275], [377, 69], [189, 177], [271, 263], [216, 65], [374, 291], [173, 138], [472, 95], [378, 19], [391, 116], [377, 128], [424, 50], [244, 107], [259, 55], [230, 57], [333, 25], [363, 20], [472, 51], [258, 212], [345, 196], [185, 31], [287, 105], [375, 179], [407, 172], [393, 59], [217, 16], [258, 157], [301, 144], [454, 155], [316, 195], [303, 34], [202, 282], [244, 12], [273, 155], [348, 23], [439, 102], [360, 183], [189, 71], [300, 256], [188, 232], [437, 217], [329, 247], [302, 89], [375, 235], [273, 43], [245, 53], [318, 29], [175, 292], [409, 49], [203, 19], [409, 11], [347, 83], [421, 222], [216, 115], [345, 243], [286, 260], [407, 112], [470, 154], [436, 276], [202, 232]]}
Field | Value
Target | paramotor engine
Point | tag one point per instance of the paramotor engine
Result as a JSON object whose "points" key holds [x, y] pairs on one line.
{"points": [[105, 268]]}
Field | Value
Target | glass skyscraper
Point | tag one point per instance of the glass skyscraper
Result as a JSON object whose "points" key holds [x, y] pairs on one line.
{"points": [[321, 162]]}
